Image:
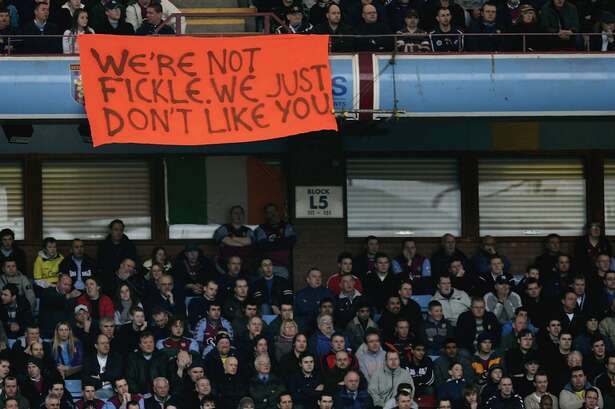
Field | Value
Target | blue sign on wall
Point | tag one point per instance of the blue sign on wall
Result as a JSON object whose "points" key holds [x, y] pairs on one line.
{"points": [[345, 80]]}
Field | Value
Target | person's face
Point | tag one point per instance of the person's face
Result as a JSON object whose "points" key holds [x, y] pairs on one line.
{"points": [[373, 343], [532, 368], [241, 288], [57, 390], [478, 309], [609, 281], [610, 366], [402, 329], [436, 313], [103, 345], [89, 393], [342, 360], [263, 366], [307, 364], [382, 265], [553, 245], [392, 360], [161, 320], [528, 16], [533, 290], [394, 305], [409, 249], [578, 379], [267, 267], [456, 268], [445, 405], [203, 386], [334, 15], [41, 13], [156, 273], [165, 284], [444, 285], [496, 375], [6, 297], [326, 325], [541, 383], [363, 313], [372, 244], [63, 332], [563, 264], [370, 15], [192, 256], [405, 291], [456, 372], [197, 373], [214, 312], [608, 27], [314, 279], [52, 248], [286, 402], [579, 287], [554, 328], [346, 264], [294, 19], [234, 266], [418, 352], [7, 240], [503, 288], [351, 381], [570, 301], [450, 349], [301, 344], [251, 311], [591, 325], [5, 368], [121, 386], [37, 350], [237, 216], [92, 288], [138, 318], [161, 388], [261, 347], [160, 256], [224, 346], [125, 293], [114, 14], [599, 349], [526, 342], [10, 267], [485, 346], [595, 230], [255, 326], [347, 283], [11, 404], [603, 262], [574, 360], [565, 342], [488, 13], [64, 285], [211, 290], [338, 344], [32, 335], [177, 329], [272, 215], [591, 399], [506, 386], [286, 312], [127, 267], [117, 231], [147, 345], [52, 404], [33, 371], [448, 242], [325, 402], [497, 266], [10, 388]]}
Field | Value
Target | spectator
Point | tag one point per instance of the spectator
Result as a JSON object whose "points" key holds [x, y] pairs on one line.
{"points": [[66, 350], [528, 23], [78, 265], [192, 269], [603, 381], [122, 397], [136, 14], [594, 242], [66, 16], [409, 308], [235, 239], [502, 302], [448, 250], [11, 275], [451, 390], [154, 24], [571, 397], [360, 324], [541, 386], [486, 282], [450, 355], [124, 301], [226, 282], [365, 262], [283, 341], [560, 18], [240, 325], [457, 21], [485, 357], [145, 364], [116, 247], [41, 26], [8, 249], [454, 302], [341, 39], [590, 400], [99, 305], [270, 291], [16, 313], [113, 22], [289, 364], [487, 24], [160, 256], [265, 387], [390, 315], [384, 382], [370, 354], [474, 322], [436, 329], [325, 401], [102, 368], [125, 274], [128, 334], [233, 307], [515, 358], [488, 247], [421, 371], [344, 265], [402, 340], [506, 398], [89, 399], [319, 343], [178, 341], [168, 297], [55, 304], [347, 300], [214, 361], [414, 40], [160, 396], [397, 12], [47, 263], [374, 35], [535, 303], [11, 390], [275, 239], [210, 326], [308, 299], [318, 14], [605, 41], [305, 387], [232, 388], [296, 22], [381, 283], [569, 317], [351, 396], [547, 261]]}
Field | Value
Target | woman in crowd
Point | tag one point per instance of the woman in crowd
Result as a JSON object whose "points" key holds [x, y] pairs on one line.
{"points": [[79, 26], [66, 350], [284, 341], [159, 255], [124, 300]]}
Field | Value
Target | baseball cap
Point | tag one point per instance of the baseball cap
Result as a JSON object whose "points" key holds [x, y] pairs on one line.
{"points": [[112, 4], [526, 8], [80, 308], [503, 279], [293, 10], [484, 336], [412, 13]]}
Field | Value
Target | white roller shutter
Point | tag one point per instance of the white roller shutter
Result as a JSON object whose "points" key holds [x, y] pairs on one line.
{"points": [[526, 197], [11, 198], [80, 198], [403, 197], [609, 195]]}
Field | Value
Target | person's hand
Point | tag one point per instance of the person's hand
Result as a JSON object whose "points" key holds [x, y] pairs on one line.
{"points": [[461, 272], [14, 327], [126, 398], [169, 296], [184, 359], [564, 34], [320, 387], [73, 294], [275, 309]]}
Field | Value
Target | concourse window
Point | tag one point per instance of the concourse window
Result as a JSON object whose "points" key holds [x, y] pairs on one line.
{"points": [[80, 198], [11, 198], [531, 197], [403, 197], [201, 191], [609, 195]]}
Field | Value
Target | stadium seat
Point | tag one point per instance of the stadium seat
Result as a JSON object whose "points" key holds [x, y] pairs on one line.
{"points": [[269, 318], [422, 300], [74, 387]]}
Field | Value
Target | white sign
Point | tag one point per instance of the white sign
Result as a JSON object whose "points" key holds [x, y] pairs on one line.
{"points": [[319, 202]]}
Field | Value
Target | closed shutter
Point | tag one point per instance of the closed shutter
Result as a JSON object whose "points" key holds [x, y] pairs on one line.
{"points": [[531, 197], [609, 196], [11, 198], [403, 197], [80, 198]]}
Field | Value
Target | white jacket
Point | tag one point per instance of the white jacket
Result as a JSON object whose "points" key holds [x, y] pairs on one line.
{"points": [[134, 17], [453, 306]]}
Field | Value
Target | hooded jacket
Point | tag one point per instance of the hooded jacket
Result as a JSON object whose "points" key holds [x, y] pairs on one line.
{"points": [[369, 362], [568, 399], [383, 383], [454, 305], [46, 267], [111, 254]]}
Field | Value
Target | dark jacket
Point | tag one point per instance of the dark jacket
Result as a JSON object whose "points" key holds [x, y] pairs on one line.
{"points": [[280, 291], [53, 309], [265, 394], [303, 389], [148, 29], [152, 403], [499, 402], [157, 300], [231, 389], [140, 372], [466, 325], [110, 255], [595, 43], [123, 28], [91, 371], [374, 37], [344, 400], [440, 260], [378, 291], [484, 43], [197, 274], [22, 316], [337, 44], [88, 268], [43, 45], [19, 255]]}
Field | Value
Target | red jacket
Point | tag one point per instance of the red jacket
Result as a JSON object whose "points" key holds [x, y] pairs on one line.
{"points": [[105, 305]]}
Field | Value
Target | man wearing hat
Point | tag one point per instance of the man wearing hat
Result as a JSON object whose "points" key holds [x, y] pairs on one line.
{"points": [[485, 357], [214, 360], [113, 22], [605, 40], [296, 23], [193, 269], [502, 302], [34, 388]]}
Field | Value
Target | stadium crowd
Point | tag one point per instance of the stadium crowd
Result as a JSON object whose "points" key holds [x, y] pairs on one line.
{"points": [[229, 331]]}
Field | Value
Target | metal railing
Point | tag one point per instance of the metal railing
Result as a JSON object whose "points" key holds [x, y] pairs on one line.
{"points": [[504, 42], [266, 18]]}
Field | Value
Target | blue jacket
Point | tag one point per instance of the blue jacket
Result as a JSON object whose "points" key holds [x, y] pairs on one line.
{"points": [[343, 400], [319, 344], [451, 390], [307, 301]]}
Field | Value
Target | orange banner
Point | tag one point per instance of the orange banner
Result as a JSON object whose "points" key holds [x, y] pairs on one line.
{"points": [[202, 91]]}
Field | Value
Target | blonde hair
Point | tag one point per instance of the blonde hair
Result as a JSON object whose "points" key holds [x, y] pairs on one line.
{"points": [[56, 344], [288, 323]]}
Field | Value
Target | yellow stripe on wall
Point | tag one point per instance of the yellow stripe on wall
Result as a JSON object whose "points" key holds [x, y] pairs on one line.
{"points": [[515, 136]]}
